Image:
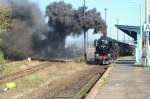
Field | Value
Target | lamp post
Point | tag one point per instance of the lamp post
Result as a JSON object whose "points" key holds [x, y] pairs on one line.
{"points": [[117, 28], [124, 37], [110, 32], [105, 15], [147, 62], [146, 11], [85, 54], [106, 18]]}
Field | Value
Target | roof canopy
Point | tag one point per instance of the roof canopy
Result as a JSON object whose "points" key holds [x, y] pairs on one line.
{"points": [[130, 30]]}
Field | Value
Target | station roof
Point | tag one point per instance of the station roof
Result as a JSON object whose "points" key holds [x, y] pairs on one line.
{"points": [[130, 30]]}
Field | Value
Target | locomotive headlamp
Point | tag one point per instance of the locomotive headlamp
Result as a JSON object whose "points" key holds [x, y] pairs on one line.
{"points": [[97, 54]]}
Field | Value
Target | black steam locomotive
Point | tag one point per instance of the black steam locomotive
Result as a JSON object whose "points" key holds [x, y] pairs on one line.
{"points": [[107, 49]]}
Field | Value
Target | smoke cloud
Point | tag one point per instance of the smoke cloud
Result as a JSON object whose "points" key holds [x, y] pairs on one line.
{"points": [[30, 36], [66, 21], [17, 42]]}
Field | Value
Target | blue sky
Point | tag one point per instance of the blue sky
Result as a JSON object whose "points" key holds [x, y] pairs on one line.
{"points": [[128, 11]]}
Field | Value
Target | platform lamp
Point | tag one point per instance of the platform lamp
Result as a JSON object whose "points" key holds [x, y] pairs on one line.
{"points": [[106, 18], [85, 51], [147, 61], [105, 15], [117, 28]]}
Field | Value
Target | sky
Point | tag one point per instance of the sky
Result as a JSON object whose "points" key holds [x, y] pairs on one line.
{"points": [[127, 11]]}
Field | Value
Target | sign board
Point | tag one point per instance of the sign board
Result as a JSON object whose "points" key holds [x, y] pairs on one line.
{"points": [[146, 27]]}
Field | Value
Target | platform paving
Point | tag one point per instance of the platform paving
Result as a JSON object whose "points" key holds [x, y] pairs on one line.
{"points": [[126, 81]]}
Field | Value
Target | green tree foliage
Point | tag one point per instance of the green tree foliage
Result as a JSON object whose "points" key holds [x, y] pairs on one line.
{"points": [[5, 24], [26, 18], [5, 19]]}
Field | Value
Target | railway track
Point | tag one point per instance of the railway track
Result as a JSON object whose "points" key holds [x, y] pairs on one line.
{"points": [[76, 88], [81, 87], [28, 71], [23, 73]]}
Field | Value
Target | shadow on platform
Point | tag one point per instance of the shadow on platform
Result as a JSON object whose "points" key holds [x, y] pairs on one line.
{"points": [[128, 62]]}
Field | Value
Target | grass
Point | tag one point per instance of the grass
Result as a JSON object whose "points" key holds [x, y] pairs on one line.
{"points": [[113, 65], [1, 61], [34, 83], [79, 60], [7, 69], [33, 80], [24, 85]]}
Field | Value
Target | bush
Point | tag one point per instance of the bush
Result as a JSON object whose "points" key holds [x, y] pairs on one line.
{"points": [[79, 60], [1, 57]]}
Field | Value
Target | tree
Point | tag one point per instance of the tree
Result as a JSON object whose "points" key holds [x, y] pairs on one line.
{"points": [[17, 41], [5, 19]]}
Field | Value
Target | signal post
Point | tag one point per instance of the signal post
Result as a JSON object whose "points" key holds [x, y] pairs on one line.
{"points": [[146, 31]]}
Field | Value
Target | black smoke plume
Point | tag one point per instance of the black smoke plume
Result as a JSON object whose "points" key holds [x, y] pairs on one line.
{"points": [[26, 16], [30, 36], [65, 21]]}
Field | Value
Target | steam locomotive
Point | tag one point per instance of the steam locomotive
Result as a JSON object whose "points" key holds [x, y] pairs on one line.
{"points": [[107, 49]]}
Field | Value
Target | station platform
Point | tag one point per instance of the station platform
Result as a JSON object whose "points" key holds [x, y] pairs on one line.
{"points": [[126, 81]]}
